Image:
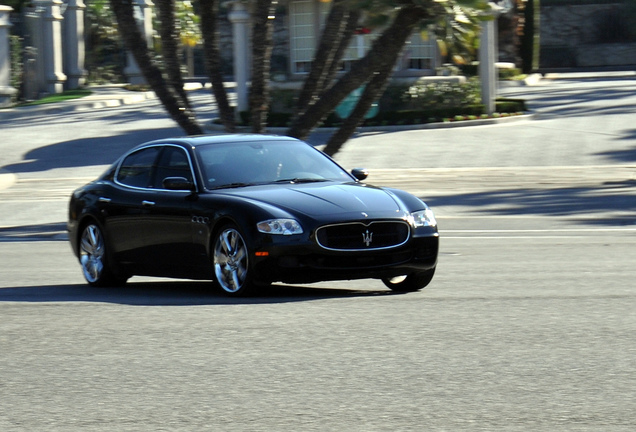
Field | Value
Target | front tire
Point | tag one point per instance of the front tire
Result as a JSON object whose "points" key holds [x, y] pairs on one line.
{"points": [[230, 258], [411, 282], [93, 257]]}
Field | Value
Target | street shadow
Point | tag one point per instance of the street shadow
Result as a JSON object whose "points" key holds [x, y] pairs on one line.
{"points": [[624, 155], [175, 293], [60, 115], [566, 102], [86, 152], [55, 231], [99, 150], [586, 205]]}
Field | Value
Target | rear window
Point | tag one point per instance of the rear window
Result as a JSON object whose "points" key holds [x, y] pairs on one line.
{"points": [[136, 169]]}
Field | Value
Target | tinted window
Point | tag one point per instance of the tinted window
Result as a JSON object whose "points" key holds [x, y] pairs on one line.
{"points": [[172, 163], [265, 162], [136, 169]]}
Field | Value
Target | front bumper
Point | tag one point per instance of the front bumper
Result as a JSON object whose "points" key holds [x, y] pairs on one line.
{"points": [[310, 263]]}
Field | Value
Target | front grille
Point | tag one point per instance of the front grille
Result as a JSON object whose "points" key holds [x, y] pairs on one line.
{"points": [[359, 236]]}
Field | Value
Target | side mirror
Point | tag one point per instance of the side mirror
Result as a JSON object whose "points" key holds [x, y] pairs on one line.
{"points": [[178, 184], [360, 173]]}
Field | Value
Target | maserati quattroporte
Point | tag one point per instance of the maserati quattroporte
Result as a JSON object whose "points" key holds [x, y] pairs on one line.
{"points": [[246, 211]]}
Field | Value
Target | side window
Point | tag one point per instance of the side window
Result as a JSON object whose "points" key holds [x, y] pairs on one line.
{"points": [[136, 169], [172, 163]]}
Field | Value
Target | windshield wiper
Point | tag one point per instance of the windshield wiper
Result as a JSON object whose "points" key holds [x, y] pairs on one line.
{"points": [[301, 180], [233, 185]]}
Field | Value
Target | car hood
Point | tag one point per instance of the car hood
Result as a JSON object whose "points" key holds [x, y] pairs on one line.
{"points": [[314, 199]]}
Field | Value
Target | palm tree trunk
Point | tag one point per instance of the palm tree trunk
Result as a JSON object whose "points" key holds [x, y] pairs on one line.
{"points": [[328, 54], [372, 91], [170, 48], [262, 45], [384, 51], [210, 32], [134, 41], [350, 27]]}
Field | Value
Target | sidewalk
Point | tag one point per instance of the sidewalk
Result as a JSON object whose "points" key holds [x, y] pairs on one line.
{"points": [[103, 96]]}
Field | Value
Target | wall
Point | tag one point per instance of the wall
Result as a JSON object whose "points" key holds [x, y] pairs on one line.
{"points": [[587, 34]]}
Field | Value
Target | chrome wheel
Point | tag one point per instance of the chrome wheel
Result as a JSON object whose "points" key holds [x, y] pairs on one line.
{"points": [[93, 257], [92, 254], [231, 261]]}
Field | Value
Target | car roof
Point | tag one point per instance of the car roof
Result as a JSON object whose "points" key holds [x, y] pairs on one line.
{"points": [[197, 140]]}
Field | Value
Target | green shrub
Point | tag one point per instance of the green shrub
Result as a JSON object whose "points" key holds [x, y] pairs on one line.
{"points": [[427, 103], [442, 95], [509, 74], [510, 105]]}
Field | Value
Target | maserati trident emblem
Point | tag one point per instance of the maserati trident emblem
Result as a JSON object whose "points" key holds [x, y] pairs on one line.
{"points": [[367, 237]]}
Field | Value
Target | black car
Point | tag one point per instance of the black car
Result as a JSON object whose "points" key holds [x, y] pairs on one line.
{"points": [[246, 211]]}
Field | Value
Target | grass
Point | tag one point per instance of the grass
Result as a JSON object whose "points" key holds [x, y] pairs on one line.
{"points": [[60, 97]]}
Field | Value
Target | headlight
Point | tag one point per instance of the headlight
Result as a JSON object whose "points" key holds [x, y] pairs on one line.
{"points": [[280, 226], [423, 218]]}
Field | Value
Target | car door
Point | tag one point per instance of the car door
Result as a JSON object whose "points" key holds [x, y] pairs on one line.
{"points": [[123, 206], [168, 217]]}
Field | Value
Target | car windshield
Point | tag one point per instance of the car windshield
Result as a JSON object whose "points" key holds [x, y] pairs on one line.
{"points": [[248, 163]]}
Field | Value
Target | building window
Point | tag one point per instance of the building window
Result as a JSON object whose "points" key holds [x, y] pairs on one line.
{"points": [[418, 53], [304, 37]]}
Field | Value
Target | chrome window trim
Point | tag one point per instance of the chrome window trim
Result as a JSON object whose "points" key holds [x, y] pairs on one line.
{"points": [[123, 158]]}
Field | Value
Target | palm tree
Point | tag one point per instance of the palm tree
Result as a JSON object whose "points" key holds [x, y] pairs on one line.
{"points": [[133, 38], [262, 45], [210, 32], [169, 35], [382, 55], [337, 33], [375, 68], [321, 92]]}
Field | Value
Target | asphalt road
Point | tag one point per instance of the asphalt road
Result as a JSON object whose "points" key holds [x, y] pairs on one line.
{"points": [[528, 324]]}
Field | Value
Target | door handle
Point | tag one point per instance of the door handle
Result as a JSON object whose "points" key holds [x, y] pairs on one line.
{"points": [[147, 203], [104, 200]]}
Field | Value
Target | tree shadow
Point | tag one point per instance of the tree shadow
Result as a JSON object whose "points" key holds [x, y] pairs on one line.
{"points": [[55, 231], [610, 203], [175, 293], [86, 152], [98, 151], [568, 102], [624, 155]]}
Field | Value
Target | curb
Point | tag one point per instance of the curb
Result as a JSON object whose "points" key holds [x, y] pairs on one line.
{"points": [[92, 102], [217, 128]]}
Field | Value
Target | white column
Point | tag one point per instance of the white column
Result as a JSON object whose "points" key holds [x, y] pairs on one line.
{"points": [[143, 15], [74, 47], [6, 91], [487, 70], [489, 53], [52, 54], [240, 18], [34, 81]]}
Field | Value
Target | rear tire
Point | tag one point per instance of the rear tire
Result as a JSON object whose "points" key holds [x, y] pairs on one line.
{"points": [[94, 258], [411, 282]]}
